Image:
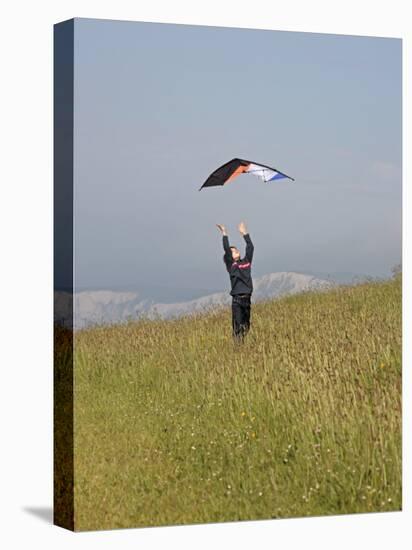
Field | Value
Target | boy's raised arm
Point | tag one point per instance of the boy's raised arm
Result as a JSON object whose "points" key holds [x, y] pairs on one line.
{"points": [[249, 245], [226, 245]]}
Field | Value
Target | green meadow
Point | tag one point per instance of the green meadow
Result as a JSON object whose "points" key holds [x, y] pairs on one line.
{"points": [[174, 423]]}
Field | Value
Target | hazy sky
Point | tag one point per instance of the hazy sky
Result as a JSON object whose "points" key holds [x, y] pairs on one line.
{"points": [[158, 107]]}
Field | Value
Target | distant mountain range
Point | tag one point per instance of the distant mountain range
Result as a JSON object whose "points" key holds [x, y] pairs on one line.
{"points": [[106, 306]]}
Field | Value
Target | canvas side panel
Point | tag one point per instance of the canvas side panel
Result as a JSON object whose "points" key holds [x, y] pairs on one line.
{"points": [[63, 275]]}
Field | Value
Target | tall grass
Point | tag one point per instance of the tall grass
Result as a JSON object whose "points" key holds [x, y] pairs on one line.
{"points": [[174, 423]]}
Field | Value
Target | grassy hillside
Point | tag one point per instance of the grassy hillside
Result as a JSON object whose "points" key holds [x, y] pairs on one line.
{"points": [[174, 424]]}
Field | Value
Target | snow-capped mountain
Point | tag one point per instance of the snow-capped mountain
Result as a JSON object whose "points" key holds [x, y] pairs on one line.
{"points": [[106, 306]]}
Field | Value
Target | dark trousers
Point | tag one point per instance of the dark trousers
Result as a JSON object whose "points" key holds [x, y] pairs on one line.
{"points": [[240, 316]]}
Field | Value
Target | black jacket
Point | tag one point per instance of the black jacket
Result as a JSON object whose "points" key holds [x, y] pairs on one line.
{"points": [[240, 271]]}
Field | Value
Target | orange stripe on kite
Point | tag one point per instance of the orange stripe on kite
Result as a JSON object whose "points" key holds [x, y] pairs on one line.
{"points": [[239, 170]]}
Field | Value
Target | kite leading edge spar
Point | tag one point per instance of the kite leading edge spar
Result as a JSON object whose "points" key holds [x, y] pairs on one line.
{"points": [[230, 170]]}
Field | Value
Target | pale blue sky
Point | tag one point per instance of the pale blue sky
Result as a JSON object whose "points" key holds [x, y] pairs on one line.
{"points": [[158, 107]]}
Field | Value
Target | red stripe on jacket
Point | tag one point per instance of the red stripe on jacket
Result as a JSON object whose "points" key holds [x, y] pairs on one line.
{"points": [[241, 266]]}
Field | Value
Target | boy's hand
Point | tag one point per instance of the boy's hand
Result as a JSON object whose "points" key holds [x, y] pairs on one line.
{"points": [[242, 228], [221, 228]]}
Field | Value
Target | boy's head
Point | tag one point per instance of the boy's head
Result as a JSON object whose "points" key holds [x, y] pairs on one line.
{"points": [[235, 253]]}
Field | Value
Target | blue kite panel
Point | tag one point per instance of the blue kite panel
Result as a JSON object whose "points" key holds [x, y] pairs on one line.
{"points": [[277, 177]]}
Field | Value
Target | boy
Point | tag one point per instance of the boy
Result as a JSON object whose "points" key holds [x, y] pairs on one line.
{"points": [[240, 279]]}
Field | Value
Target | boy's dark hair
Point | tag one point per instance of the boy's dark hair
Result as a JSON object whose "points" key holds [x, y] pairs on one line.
{"points": [[231, 247]]}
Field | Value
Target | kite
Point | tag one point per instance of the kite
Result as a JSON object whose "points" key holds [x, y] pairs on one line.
{"points": [[229, 171]]}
